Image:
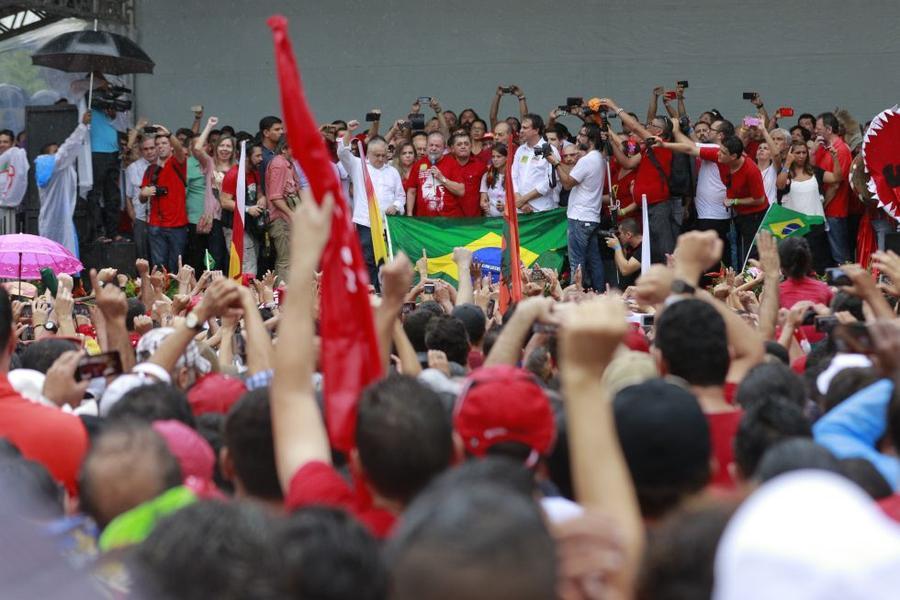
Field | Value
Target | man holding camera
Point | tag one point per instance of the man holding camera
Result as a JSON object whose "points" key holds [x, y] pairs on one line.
{"points": [[585, 180], [164, 187], [626, 246], [532, 173]]}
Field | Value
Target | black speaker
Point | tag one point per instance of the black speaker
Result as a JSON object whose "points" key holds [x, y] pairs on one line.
{"points": [[118, 255], [43, 125], [892, 242]]}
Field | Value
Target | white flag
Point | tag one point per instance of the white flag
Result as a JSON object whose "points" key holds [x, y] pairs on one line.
{"points": [[645, 238]]}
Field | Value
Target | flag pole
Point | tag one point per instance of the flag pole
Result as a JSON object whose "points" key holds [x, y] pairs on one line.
{"points": [[645, 235], [753, 241], [387, 235]]}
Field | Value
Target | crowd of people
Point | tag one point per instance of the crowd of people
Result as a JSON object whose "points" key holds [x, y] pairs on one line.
{"points": [[705, 431]]}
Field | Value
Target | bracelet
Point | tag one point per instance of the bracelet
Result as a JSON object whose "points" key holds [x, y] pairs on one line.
{"points": [[520, 98], [785, 170], [620, 110]]}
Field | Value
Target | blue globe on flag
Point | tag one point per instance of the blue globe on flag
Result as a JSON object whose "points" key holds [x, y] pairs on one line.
{"points": [[490, 259], [790, 228]]}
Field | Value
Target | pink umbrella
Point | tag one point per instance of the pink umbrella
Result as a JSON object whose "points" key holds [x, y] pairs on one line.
{"points": [[23, 256]]}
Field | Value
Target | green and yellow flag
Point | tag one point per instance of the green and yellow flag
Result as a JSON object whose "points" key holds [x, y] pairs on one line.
{"points": [[783, 222], [542, 238]]}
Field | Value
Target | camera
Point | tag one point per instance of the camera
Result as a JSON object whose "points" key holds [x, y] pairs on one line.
{"points": [[429, 288], [606, 233], [825, 324], [506, 90], [543, 151], [837, 277], [416, 121], [371, 117], [749, 95], [683, 83], [111, 98], [426, 100], [161, 191], [685, 124]]}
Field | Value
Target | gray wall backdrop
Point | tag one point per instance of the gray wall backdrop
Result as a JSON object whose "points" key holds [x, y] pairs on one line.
{"points": [[355, 55]]}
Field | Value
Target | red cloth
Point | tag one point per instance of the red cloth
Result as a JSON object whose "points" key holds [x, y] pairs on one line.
{"points": [[169, 210], [44, 434], [469, 175], [722, 429], [317, 483], [746, 182], [511, 261], [730, 391], [647, 178], [891, 506], [799, 365], [215, 393], [432, 198], [839, 205], [484, 156], [229, 182], [751, 148], [349, 344], [792, 291]]}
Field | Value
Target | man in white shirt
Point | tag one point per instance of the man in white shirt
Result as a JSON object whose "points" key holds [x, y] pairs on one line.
{"points": [[585, 180], [137, 210], [386, 183], [13, 180], [531, 172]]}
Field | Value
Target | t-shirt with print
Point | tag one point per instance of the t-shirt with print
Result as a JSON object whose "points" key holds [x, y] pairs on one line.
{"points": [[746, 182], [432, 198], [169, 210], [469, 175], [648, 180], [229, 186]]}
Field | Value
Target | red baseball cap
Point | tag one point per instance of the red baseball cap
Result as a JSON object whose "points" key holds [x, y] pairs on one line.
{"points": [[215, 393], [504, 404]]}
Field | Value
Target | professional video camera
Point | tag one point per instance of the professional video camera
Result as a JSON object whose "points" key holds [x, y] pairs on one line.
{"points": [[111, 98]]}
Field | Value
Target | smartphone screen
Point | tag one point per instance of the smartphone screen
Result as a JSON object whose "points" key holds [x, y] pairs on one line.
{"points": [[99, 365]]}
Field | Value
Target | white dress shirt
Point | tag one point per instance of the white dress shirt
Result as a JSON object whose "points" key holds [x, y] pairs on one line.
{"points": [[530, 172], [385, 181], [134, 175]]}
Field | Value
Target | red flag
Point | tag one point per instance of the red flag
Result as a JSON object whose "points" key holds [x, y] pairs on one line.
{"points": [[510, 272], [881, 153], [350, 358]]}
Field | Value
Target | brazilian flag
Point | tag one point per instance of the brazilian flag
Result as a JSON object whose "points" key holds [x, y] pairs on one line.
{"points": [[542, 239], [783, 222]]}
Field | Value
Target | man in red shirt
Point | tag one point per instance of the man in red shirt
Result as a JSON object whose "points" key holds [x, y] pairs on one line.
{"points": [[463, 174], [836, 209], [426, 191], [43, 434], [164, 187]]}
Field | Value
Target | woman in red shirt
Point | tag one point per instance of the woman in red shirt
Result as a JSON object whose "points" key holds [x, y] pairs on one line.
{"points": [[796, 264]]}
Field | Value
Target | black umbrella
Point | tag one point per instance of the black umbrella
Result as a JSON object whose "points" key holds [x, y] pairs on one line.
{"points": [[93, 51]]}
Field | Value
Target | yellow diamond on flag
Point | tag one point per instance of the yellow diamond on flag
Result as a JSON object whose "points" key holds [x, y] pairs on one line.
{"points": [[445, 264], [783, 229]]}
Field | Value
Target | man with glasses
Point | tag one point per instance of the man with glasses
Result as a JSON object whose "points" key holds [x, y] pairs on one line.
{"points": [[137, 210]]}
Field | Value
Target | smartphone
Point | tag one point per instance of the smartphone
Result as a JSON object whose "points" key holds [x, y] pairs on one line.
{"points": [[749, 95], [837, 277], [647, 320], [853, 338], [683, 83], [752, 121], [27, 334], [99, 365], [536, 274], [372, 117], [424, 100], [26, 313], [82, 309], [490, 308], [197, 108], [786, 111], [574, 101], [825, 324], [429, 288], [563, 108], [149, 129], [671, 94], [809, 317], [506, 90]]}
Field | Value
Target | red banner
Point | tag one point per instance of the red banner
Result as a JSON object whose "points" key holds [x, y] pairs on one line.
{"points": [[350, 358], [510, 272]]}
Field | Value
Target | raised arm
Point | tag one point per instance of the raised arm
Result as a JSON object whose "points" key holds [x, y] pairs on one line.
{"points": [[198, 118], [835, 175], [495, 106], [114, 306], [396, 280], [376, 124], [769, 298], [198, 148], [523, 105], [259, 344], [654, 102], [625, 161], [776, 156], [507, 350], [442, 120], [627, 120], [463, 259], [297, 426], [679, 93]]}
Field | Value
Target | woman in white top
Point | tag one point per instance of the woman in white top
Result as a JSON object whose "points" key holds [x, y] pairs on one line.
{"points": [[769, 157], [493, 183]]}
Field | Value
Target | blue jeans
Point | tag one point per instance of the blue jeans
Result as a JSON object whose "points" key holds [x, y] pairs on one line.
{"points": [[837, 238], [166, 245], [584, 250]]}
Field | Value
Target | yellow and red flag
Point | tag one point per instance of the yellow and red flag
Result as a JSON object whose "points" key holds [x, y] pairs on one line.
{"points": [[236, 252], [376, 219]]}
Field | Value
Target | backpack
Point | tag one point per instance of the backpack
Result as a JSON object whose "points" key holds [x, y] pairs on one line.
{"points": [[681, 180]]}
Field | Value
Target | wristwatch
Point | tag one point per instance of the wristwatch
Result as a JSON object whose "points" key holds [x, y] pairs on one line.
{"points": [[680, 286], [49, 326], [193, 321]]}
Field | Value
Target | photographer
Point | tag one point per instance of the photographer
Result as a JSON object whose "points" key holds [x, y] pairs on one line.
{"points": [[586, 180], [104, 199], [626, 245], [532, 174], [164, 187]]}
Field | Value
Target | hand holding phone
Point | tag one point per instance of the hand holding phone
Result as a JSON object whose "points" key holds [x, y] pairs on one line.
{"points": [[99, 365]]}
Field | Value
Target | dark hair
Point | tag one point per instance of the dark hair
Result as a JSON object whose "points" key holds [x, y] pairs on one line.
{"points": [[667, 127], [268, 122], [414, 326], [41, 355], [45, 149], [6, 319], [493, 173], [767, 380], [209, 549], [448, 334], [592, 131], [795, 256], [776, 350], [459, 134], [185, 132], [864, 474], [630, 226], [471, 110], [692, 338], [34, 491], [327, 555], [830, 121], [514, 120], [795, 454], [803, 132], [248, 437], [846, 383], [228, 130], [726, 127], [734, 146], [478, 542], [473, 319], [163, 136], [404, 436], [210, 426], [763, 425], [283, 143], [845, 302], [809, 116], [536, 121], [135, 309], [8, 133], [154, 402]]}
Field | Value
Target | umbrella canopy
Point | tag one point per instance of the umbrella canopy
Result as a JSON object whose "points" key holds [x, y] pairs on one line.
{"points": [[22, 256], [88, 51]]}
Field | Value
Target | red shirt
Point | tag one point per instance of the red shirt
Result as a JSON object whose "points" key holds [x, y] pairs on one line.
{"points": [[484, 156], [722, 429], [469, 175], [839, 205], [169, 210], [792, 291], [751, 148], [229, 186], [44, 434], [432, 198], [317, 483], [647, 179], [746, 182]]}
